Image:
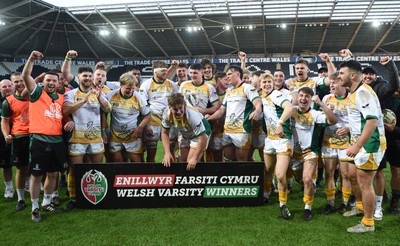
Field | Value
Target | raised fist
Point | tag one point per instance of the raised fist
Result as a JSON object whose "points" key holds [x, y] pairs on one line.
{"points": [[36, 55], [345, 53], [72, 54], [324, 56], [384, 60], [242, 55]]}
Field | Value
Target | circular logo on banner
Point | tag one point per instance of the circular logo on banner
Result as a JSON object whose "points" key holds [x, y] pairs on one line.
{"points": [[94, 186]]}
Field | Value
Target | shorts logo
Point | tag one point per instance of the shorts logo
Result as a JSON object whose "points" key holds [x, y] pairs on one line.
{"points": [[36, 167], [94, 186]]}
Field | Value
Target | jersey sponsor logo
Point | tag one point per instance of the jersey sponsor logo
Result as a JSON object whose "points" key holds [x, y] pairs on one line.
{"points": [[94, 186], [233, 122], [91, 131], [54, 112], [24, 117], [124, 133]]}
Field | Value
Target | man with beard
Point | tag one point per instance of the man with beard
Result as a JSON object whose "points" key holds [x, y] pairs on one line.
{"points": [[47, 149], [384, 91], [368, 142], [15, 110], [135, 71], [156, 91], [85, 106]]}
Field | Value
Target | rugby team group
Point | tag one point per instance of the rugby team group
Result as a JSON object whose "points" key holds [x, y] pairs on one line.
{"points": [[57, 120]]}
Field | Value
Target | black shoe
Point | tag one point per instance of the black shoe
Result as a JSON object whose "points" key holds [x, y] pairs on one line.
{"points": [[267, 200], [289, 189], [36, 217], [307, 216], [319, 183], [328, 209], [56, 201], [70, 206], [51, 208], [342, 208], [20, 206], [285, 213], [394, 206]]}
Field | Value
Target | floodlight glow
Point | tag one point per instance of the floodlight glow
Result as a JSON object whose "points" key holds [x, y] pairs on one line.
{"points": [[283, 26], [251, 27], [227, 27], [375, 23], [190, 29], [2, 23], [104, 32], [122, 31]]}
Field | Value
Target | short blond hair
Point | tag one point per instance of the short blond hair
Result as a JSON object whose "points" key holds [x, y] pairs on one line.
{"points": [[266, 76], [128, 79]]}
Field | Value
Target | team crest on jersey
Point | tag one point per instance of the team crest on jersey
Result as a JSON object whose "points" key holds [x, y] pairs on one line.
{"points": [[94, 186], [55, 111]]}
